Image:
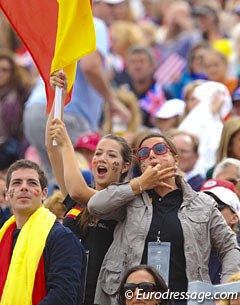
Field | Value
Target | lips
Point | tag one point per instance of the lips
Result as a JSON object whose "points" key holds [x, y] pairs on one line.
{"points": [[101, 170], [24, 197]]}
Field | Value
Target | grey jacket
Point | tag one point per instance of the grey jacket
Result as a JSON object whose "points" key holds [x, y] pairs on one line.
{"points": [[202, 224]]}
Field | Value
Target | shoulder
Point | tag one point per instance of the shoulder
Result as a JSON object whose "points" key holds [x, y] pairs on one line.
{"points": [[61, 236], [198, 199]]}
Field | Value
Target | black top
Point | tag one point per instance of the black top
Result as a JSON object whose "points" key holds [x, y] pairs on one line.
{"points": [[97, 239], [165, 220]]}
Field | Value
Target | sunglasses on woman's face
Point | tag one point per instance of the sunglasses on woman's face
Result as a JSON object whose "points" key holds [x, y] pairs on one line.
{"points": [[144, 286], [158, 148]]}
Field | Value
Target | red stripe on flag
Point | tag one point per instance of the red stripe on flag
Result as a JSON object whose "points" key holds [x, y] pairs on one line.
{"points": [[36, 23], [30, 22], [171, 66]]}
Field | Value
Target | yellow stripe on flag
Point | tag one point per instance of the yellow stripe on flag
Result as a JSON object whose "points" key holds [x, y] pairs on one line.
{"points": [[75, 36], [74, 212]]}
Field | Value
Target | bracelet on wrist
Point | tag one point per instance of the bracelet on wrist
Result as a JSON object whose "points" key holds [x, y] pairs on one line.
{"points": [[140, 186]]}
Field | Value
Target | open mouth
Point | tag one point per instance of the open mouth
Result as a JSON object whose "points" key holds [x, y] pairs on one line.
{"points": [[102, 170]]}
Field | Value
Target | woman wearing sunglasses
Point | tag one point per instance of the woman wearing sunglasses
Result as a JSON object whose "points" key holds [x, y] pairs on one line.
{"points": [[142, 285], [162, 210]]}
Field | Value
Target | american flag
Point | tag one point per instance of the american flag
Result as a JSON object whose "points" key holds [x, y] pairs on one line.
{"points": [[169, 69]]}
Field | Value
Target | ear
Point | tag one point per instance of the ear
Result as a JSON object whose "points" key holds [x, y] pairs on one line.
{"points": [[7, 196], [44, 194], [126, 167], [176, 158], [234, 219]]}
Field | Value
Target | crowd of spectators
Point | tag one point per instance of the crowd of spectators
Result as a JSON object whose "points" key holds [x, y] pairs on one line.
{"points": [[167, 69]]}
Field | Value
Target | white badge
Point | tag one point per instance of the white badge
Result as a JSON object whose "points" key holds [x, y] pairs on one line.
{"points": [[159, 257]]}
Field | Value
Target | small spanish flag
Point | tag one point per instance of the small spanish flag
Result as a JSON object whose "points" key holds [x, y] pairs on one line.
{"points": [[56, 33], [74, 212]]}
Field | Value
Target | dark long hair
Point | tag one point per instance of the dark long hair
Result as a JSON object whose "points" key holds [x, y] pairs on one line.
{"points": [[159, 281]]}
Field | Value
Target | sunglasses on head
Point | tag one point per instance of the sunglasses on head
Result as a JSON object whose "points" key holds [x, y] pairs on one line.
{"points": [[144, 286], [160, 148]]}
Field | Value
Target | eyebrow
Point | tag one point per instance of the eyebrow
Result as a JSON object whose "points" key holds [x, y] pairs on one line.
{"points": [[109, 150], [29, 180]]}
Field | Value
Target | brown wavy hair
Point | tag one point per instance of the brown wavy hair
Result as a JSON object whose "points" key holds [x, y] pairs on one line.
{"points": [[126, 152]]}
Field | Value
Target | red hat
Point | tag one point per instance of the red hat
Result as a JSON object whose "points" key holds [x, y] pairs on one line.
{"points": [[88, 141], [211, 183]]}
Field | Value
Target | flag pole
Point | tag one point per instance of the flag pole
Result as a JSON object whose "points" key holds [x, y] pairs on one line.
{"points": [[57, 106]]}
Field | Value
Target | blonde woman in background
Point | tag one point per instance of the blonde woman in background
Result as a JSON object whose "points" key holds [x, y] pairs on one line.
{"points": [[55, 204], [124, 34], [115, 125]]}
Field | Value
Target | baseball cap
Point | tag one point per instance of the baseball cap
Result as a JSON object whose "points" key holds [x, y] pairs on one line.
{"points": [[170, 109], [109, 1], [88, 141], [211, 183], [223, 192]]}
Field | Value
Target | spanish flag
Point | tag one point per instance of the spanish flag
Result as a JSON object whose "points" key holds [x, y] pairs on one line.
{"points": [[56, 33]]}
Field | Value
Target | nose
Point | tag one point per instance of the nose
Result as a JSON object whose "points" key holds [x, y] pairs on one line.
{"points": [[152, 154], [103, 157], [24, 186], [137, 294]]}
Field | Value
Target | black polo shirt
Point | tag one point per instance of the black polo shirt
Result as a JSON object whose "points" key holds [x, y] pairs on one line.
{"points": [[165, 220]]}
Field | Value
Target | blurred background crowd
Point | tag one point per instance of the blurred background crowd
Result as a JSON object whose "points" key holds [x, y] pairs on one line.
{"points": [[172, 65]]}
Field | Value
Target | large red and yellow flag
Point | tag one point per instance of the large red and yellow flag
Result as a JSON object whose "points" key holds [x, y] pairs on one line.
{"points": [[56, 33]]}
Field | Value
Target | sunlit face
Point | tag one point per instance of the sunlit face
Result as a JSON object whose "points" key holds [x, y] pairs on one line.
{"points": [[139, 67], [103, 10], [234, 150], [5, 72], [197, 62], [25, 194], [139, 277], [2, 192], [187, 156], [107, 163], [230, 173], [230, 217], [118, 43], [165, 160], [205, 22], [120, 11], [215, 68], [166, 124]]}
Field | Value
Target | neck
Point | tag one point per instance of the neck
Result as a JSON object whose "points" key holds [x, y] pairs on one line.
{"points": [[164, 190], [141, 86], [21, 220], [213, 34]]}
